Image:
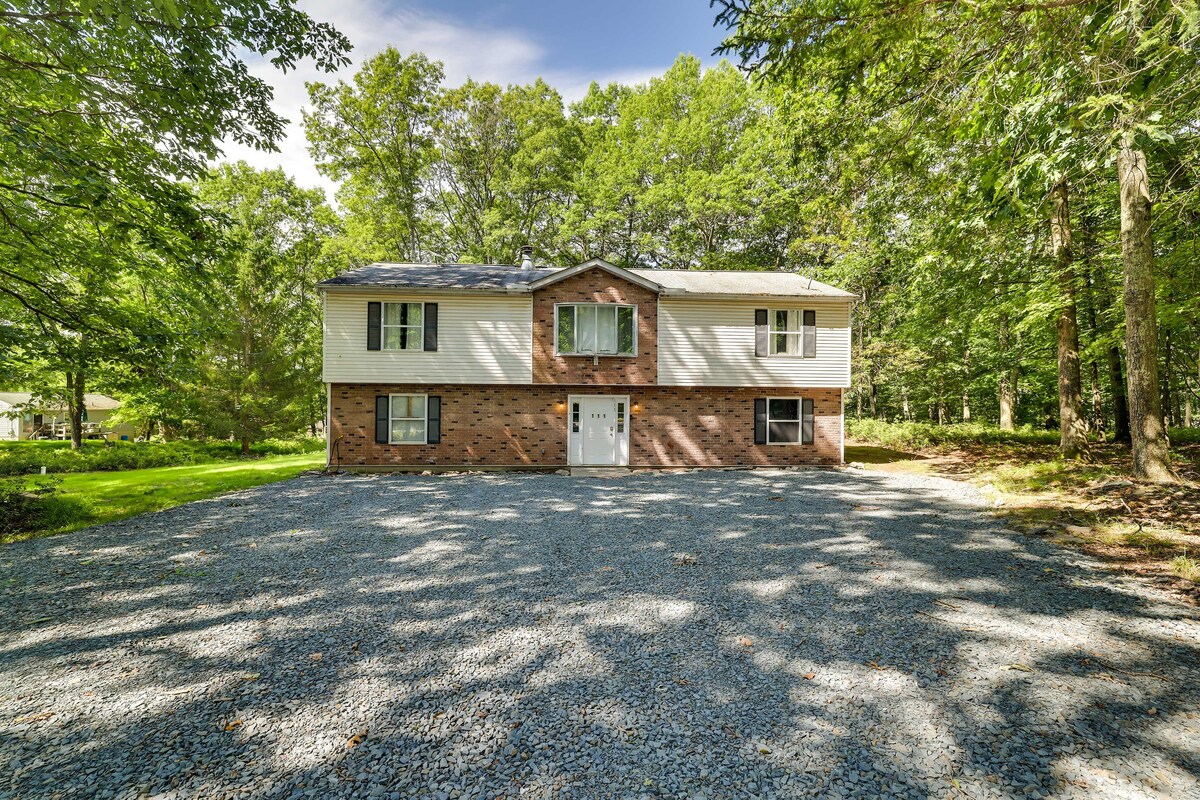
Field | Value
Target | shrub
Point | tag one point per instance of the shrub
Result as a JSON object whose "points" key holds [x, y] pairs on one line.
{"points": [[22, 458], [926, 434], [29, 505]]}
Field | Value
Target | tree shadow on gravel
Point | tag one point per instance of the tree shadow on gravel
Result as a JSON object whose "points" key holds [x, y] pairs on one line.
{"points": [[720, 634]]}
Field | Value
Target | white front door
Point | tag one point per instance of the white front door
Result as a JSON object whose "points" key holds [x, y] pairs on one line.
{"points": [[599, 431]]}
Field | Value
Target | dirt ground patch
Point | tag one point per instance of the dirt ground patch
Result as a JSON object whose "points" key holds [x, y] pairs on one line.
{"points": [[1138, 528]]}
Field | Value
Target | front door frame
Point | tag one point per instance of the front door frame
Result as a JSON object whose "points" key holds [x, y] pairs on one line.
{"points": [[575, 440]]}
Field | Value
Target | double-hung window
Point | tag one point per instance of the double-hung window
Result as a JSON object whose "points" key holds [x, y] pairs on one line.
{"points": [[783, 420], [403, 326], [596, 329], [793, 333], [407, 420]]}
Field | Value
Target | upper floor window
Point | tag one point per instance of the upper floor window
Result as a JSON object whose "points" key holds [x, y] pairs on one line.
{"points": [[793, 333], [403, 326], [596, 329]]}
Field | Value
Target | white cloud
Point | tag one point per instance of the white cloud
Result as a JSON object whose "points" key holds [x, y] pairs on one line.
{"points": [[481, 51]]}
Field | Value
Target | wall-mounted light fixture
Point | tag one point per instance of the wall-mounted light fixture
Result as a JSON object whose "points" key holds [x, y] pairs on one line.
{"points": [[636, 407]]}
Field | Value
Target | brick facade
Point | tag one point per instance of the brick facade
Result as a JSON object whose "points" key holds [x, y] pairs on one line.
{"points": [[526, 426], [595, 286]]}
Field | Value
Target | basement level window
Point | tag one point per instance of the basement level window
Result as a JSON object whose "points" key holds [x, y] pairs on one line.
{"points": [[789, 420]]}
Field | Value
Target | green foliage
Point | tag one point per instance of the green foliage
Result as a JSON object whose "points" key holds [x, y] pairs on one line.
{"points": [[258, 371], [901, 435], [28, 505], [105, 109], [18, 458]]}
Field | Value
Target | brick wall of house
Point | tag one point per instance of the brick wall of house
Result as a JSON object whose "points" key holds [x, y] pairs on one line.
{"points": [[515, 426], [595, 286]]}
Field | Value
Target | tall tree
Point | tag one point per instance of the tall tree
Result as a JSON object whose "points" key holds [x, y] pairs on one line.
{"points": [[1124, 75], [260, 367], [375, 135]]}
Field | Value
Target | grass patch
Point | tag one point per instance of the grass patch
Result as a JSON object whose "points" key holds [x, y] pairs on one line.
{"points": [[1042, 476], [93, 498], [1186, 567]]}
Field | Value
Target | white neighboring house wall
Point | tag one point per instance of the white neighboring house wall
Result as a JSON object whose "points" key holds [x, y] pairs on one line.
{"points": [[485, 338], [10, 426], [710, 342]]}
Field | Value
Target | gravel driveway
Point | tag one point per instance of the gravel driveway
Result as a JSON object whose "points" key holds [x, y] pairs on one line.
{"points": [[705, 634]]}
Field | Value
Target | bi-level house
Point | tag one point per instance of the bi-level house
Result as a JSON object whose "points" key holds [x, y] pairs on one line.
{"points": [[469, 366]]}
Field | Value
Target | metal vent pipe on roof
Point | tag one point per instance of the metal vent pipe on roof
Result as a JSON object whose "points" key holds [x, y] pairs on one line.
{"points": [[526, 257]]}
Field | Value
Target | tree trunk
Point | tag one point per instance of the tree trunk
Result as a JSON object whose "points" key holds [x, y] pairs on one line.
{"points": [[966, 395], [1102, 294], [1168, 404], [75, 407], [873, 398], [1151, 448], [245, 445], [1072, 426], [905, 408], [1097, 400], [1007, 385]]}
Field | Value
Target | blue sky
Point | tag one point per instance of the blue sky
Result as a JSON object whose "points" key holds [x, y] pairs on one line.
{"points": [[569, 44]]}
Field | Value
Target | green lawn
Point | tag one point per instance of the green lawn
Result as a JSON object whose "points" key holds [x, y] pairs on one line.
{"points": [[91, 498]]}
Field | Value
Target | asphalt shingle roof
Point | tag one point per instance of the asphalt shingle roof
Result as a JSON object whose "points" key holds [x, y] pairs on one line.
{"points": [[505, 277]]}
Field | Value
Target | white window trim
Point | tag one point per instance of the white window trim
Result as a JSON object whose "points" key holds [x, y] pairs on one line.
{"points": [[558, 352], [772, 333], [391, 419], [383, 327], [799, 421]]}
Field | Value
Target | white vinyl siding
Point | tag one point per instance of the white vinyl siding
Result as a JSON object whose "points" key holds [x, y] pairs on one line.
{"points": [[711, 343], [481, 339]]}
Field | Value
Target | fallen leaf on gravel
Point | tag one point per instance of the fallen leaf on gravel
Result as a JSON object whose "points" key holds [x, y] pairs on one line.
{"points": [[745, 641], [606, 569], [874, 665], [357, 739], [943, 673], [764, 750], [481, 714], [34, 717], [1020, 667], [40, 620], [250, 676], [317, 656], [808, 676], [682, 681], [775, 499], [1152, 711], [233, 724]]}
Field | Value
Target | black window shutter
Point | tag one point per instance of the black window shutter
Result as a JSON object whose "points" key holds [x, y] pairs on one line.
{"points": [[761, 334], [430, 326], [374, 325], [810, 334], [382, 408], [760, 420], [806, 421], [433, 419]]}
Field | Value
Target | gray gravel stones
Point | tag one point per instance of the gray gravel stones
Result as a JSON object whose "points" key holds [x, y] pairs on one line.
{"points": [[772, 634]]}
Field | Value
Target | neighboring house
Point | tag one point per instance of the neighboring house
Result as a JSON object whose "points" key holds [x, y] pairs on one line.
{"points": [[20, 420], [518, 366]]}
